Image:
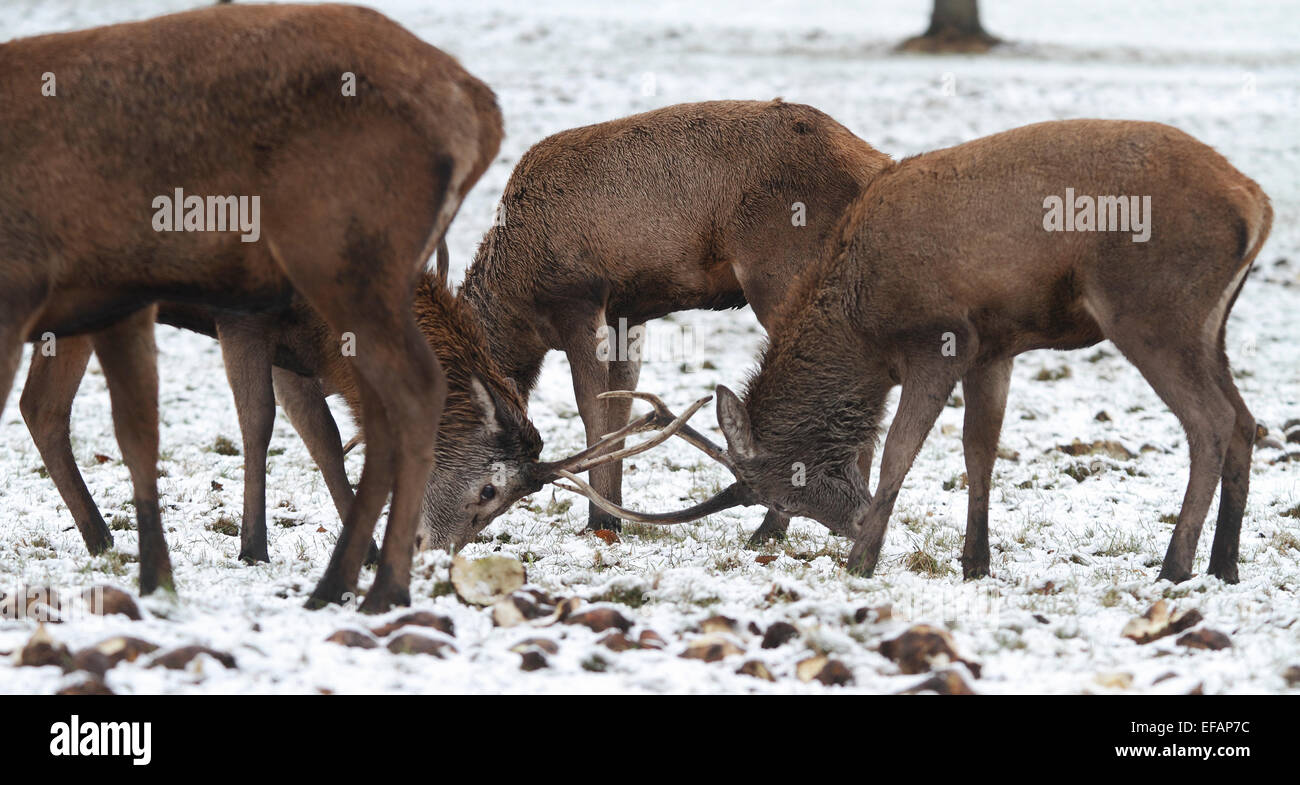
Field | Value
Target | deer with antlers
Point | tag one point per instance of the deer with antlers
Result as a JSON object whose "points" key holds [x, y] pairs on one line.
{"points": [[706, 205], [357, 189], [949, 265]]}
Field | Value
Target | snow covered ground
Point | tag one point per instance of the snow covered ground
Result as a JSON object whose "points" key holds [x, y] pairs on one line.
{"points": [[1073, 559]]}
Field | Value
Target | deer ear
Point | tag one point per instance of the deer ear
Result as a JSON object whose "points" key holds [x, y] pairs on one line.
{"points": [[734, 421], [487, 402]]}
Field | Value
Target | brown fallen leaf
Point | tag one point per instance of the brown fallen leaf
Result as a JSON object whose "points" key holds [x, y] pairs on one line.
{"points": [[124, 648], [618, 641], [830, 672], [545, 644], [90, 686], [1158, 622], [778, 634], [1205, 639], [102, 458], [649, 639], [417, 619], [532, 660], [92, 661], [414, 643], [711, 648], [178, 659], [108, 600], [600, 619], [764, 559], [607, 536], [922, 648], [756, 669], [353, 638], [41, 650], [718, 625]]}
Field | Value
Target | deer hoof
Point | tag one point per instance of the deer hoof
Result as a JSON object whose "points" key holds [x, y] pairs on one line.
{"points": [[603, 520], [328, 592], [1225, 573], [254, 555], [1173, 574], [762, 536], [384, 597]]}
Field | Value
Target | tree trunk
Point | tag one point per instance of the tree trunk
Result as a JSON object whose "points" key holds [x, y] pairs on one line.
{"points": [[954, 28]]}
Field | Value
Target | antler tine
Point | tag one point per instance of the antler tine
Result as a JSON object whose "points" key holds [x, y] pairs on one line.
{"points": [[595, 455], [684, 432], [665, 433], [734, 495]]}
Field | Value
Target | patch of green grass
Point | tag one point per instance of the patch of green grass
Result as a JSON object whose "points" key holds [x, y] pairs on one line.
{"points": [[121, 523], [923, 562], [1112, 597], [223, 446], [595, 663], [441, 589], [1054, 374], [727, 563], [226, 525], [631, 596], [1285, 541], [1121, 544]]}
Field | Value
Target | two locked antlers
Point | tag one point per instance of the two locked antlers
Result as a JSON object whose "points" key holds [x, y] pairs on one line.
{"points": [[661, 418]]}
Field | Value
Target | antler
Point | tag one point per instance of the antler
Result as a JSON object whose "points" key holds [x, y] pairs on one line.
{"points": [[595, 455], [734, 495]]}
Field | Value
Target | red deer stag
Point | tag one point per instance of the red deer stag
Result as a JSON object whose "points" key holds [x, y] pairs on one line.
{"points": [[707, 205], [946, 269], [360, 141]]}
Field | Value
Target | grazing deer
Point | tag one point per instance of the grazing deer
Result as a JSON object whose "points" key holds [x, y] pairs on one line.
{"points": [[707, 205], [357, 186], [945, 271]]}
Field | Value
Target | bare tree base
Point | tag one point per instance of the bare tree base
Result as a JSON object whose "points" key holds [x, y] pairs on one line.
{"points": [[949, 42]]}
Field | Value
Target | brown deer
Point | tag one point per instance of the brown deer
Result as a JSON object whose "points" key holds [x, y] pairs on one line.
{"points": [[358, 186], [945, 270], [706, 205]]}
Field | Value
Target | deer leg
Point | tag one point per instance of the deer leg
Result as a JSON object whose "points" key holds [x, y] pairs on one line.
{"points": [[623, 375], [772, 529], [304, 402], [340, 578], [985, 388], [46, 405], [415, 443], [590, 379], [1189, 380], [1236, 485], [924, 395], [129, 358], [247, 357]]}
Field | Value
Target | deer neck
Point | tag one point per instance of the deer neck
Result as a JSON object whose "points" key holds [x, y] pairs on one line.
{"points": [[818, 392], [508, 329]]}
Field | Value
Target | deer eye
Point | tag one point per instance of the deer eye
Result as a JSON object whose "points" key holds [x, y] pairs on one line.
{"points": [[488, 493]]}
